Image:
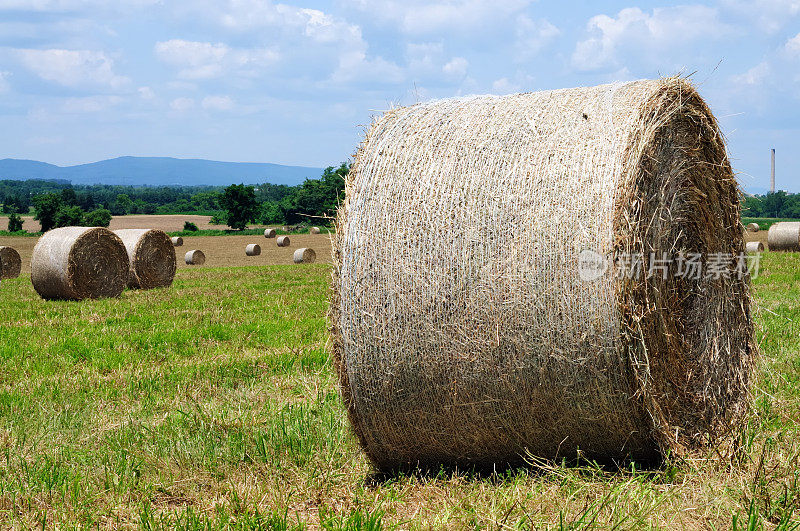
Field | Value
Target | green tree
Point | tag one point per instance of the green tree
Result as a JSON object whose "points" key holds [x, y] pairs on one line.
{"points": [[188, 226], [773, 203], [98, 218], [752, 207], [122, 205], [14, 222], [317, 197], [46, 207], [69, 216], [240, 203], [69, 197]]}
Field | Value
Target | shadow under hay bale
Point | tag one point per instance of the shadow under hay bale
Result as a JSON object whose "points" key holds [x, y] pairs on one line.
{"points": [[270, 233], [195, 257], [152, 257], [464, 333], [753, 227], [252, 249], [754, 247], [784, 236], [79, 263], [283, 241], [177, 241], [304, 255], [10, 263]]}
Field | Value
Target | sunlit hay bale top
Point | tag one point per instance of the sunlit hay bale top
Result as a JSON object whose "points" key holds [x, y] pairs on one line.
{"points": [[177, 241], [753, 227], [195, 257], [283, 241], [462, 330], [152, 257], [79, 263], [270, 233], [304, 255], [252, 249], [314, 230], [10, 263], [784, 236], [754, 247]]}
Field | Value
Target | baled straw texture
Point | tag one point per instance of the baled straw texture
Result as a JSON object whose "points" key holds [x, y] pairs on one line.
{"points": [[754, 247], [195, 257], [252, 249], [462, 331], [10, 263], [283, 241], [152, 257], [270, 233], [753, 227], [784, 236], [79, 263], [304, 255], [177, 241], [314, 230]]}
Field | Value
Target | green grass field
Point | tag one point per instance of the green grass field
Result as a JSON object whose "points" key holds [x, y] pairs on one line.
{"points": [[213, 405]]}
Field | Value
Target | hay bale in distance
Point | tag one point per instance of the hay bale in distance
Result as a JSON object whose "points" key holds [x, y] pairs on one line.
{"points": [[304, 255], [753, 227], [252, 249], [283, 241], [314, 230], [270, 233], [79, 263], [754, 247], [784, 236], [151, 254], [10, 263], [177, 241], [463, 332], [195, 257]]}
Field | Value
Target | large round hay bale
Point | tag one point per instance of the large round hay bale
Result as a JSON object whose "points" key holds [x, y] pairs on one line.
{"points": [[283, 241], [79, 263], [152, 257], [784, 236], [754, 247], [270, 233], [10, 263], [465, 330], [304, 255], [314, 230], [195, 257], [753, 227], [252, 249], [177, 241]]}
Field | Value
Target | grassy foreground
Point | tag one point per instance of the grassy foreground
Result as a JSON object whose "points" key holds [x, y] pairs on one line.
{"points": [[213, 405]]}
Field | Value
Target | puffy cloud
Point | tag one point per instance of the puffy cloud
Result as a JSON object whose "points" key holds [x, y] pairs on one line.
{"points": [[532, 36], [768, 15], [217, 103], [504, 86], [4, 84], [205, 60], [72, 68], [754, 76], [90, 104], [793, 46], [456, 67], [146, 93], [181, 104]]}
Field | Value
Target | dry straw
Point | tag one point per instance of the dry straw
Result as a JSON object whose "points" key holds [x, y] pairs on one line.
{"points": [[152, 257], [270, 233], [177, 241], [195, 257], [314, 230], [10, 263], [753, 227], [754, 247], [252, 249], [79, 263], [283, 241], [462, 330], [304, 255], [784, 236]]}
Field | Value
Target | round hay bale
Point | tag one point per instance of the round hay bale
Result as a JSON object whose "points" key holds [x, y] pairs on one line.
{"points": [[152, 257], [10, 263], [195, 257], [252, 249], [283, 241], [464, 329], [270, 233], [784, 236], [177, 241], [314, 230], [79, 263], [753, 227], [304, 255], [754, 247]]}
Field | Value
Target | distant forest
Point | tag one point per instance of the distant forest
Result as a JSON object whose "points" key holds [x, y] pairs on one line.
{"points": [[276, 203], [773, 205]]}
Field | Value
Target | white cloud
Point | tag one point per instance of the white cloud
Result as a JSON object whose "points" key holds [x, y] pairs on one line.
{"points": [[205, 60], [72, 68], [146, 93], [532, 36], [70, 5], [90, 104], [634, 31], [754, 76], [457, 67], [768, 15], [181, 104], [504, 86], [217, 103], [4, 84], [793, 45]]}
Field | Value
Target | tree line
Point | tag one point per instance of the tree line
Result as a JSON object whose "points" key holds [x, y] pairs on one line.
{"points": [[772, 205]]}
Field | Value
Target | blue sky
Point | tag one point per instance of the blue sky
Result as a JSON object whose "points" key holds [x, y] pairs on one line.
{"points": [[296, 83]]}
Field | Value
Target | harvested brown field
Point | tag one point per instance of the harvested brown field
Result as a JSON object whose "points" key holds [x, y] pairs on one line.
{"points": [[167, 223]]}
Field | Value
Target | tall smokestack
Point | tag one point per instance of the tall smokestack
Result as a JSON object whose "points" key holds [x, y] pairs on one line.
{"points": [[772, 173]]}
